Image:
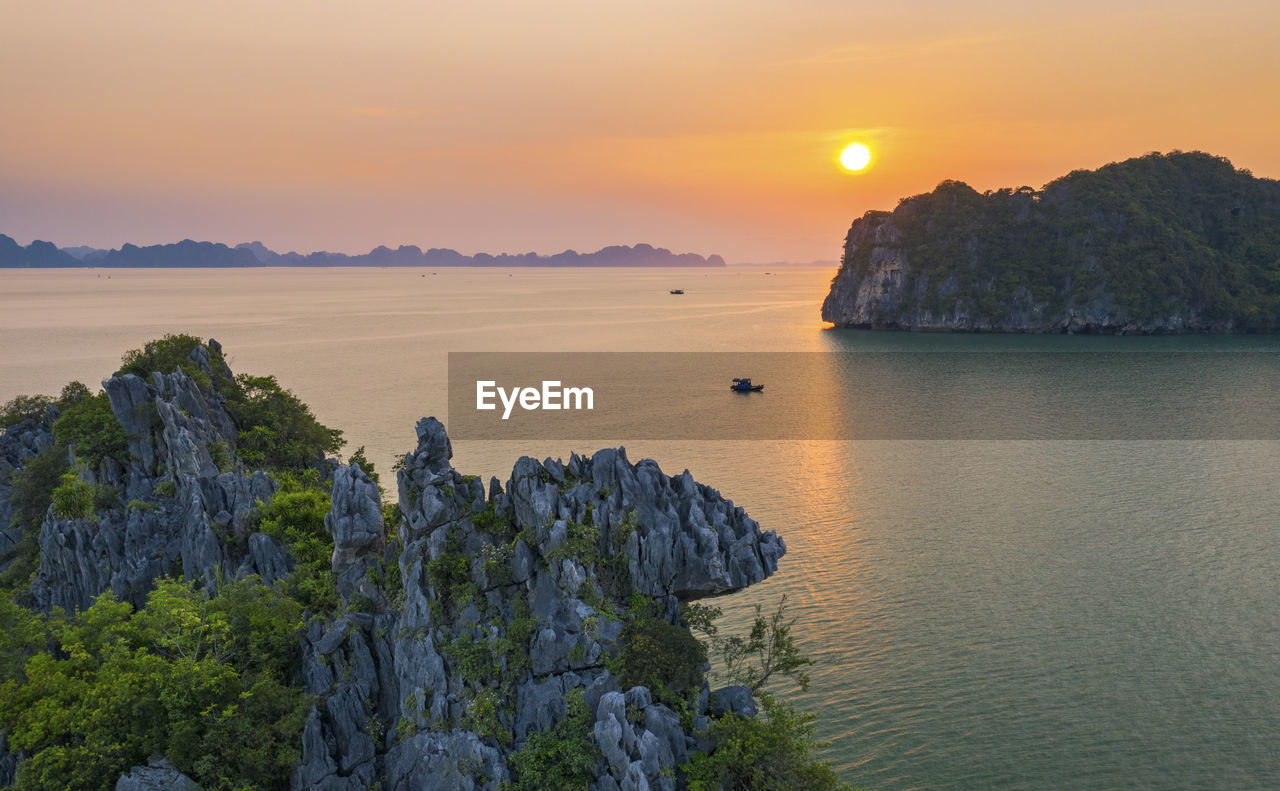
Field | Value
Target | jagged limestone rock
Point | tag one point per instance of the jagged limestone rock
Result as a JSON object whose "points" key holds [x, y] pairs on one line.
{"points": [[19, 444], [157, 775], [493, 608], [735, 699], [355, 522], [171, 426], [513, 600]]}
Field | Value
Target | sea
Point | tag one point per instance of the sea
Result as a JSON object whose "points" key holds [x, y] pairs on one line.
{"points": [[1069, 612]]}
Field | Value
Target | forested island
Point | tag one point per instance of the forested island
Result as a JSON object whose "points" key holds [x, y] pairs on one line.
{"points": [[194, 593], [191, 254], [1164, 243]]}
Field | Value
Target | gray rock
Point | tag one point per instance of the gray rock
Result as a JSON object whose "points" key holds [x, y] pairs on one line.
{"points": [[608, 732], [355, 522], [157, 775], [665, 724], [539, 705], [397, 667], [890, 289], [268, 559], [736, 699], [634, 780], [171, 425], [454, 761], [8, 764], [355, 519]]}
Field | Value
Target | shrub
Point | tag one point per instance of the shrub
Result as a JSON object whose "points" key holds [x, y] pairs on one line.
{"points": [[166, 489], [220, 456], [488, 521], [295, 515], [768, 650], [73, 498], [277, 430], [582, 543], [23, 407], [663, 657], [166, 355], [91, 430], [192, 677], [33, 485], [106, 498], [772, 753], [30, 494], [391, 518], [561, 758], [483, 715], [359, 459]]}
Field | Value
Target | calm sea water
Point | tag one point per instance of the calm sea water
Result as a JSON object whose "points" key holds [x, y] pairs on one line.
{"points": [[985, 614]]}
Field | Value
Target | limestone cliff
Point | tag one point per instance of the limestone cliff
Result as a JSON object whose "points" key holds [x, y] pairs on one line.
{"points": [[508, 602], [477, 620], [1176, 243], [177, 509]]}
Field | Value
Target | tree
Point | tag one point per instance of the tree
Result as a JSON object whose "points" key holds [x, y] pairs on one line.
{"points": [[90, 429], [277, 430], [766, 651], [769, 753], [201, 679]]}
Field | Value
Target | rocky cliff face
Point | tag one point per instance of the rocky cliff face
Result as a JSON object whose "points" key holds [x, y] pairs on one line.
{"points": [[179, 510], [481, 620], [510, 602], [895, 290], [1181, 242]]}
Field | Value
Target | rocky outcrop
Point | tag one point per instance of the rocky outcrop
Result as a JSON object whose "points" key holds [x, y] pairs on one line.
{"points": [[1158, 244], [510, 602], [893, 289], [176, 507], [8, 764], [488, 614], [19, 444], [158, 775]]}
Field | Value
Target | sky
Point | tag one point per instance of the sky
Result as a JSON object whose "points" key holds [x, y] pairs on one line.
{"points": [[707, 127]]}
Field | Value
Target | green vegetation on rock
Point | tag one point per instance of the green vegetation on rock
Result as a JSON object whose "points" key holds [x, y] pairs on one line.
{"points": [[204, 674], [769, 753], [1155, 243], [562, 758], [295, 516], [91, 430], [276, 430], [201, 680], [30, 497]]}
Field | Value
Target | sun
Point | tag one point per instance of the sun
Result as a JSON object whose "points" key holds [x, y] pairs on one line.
{"points": [[855, 156]]}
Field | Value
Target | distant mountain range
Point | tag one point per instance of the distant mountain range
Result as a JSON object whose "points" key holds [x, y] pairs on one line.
{"points": [[188, 254]]}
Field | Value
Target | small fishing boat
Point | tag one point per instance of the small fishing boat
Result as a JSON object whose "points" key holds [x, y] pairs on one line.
{"points": [[677, 291], [744, 386]]}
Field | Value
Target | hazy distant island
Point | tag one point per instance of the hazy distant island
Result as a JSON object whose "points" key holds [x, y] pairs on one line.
{"points": [[189, 254], [1164, 243]]}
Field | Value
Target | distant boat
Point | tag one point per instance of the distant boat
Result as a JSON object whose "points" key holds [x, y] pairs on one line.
{"points": [[677, 291], [744, 385]]}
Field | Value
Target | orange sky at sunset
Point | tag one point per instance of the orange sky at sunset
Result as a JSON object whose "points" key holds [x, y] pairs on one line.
{"points": [[710, 127]]}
